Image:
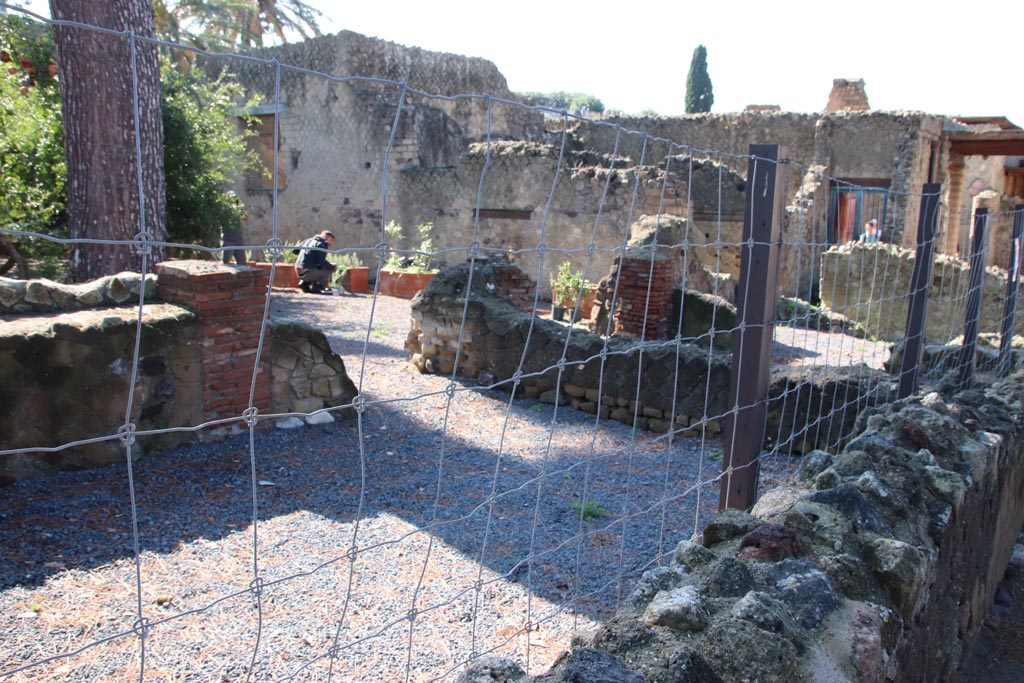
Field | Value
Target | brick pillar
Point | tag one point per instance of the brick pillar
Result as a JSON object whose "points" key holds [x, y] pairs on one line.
{"points": [[230, 302], [632, 303]]}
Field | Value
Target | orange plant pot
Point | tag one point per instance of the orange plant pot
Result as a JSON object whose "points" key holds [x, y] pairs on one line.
{"points": [[356, 280], [587, 304], [284, 274], [401, 284]]}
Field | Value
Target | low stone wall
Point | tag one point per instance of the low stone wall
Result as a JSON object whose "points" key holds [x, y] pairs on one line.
{"points": [[65, 375], [879, 566], [622, 379], [28, 296], [305, 375], [870, 284]]}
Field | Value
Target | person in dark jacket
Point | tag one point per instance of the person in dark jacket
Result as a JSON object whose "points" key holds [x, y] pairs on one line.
{"points": [[231, 235], [312, 266]]}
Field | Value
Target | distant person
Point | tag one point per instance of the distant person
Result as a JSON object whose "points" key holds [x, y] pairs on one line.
{"points": [[312, 266], [231, 235], [872, 233]]}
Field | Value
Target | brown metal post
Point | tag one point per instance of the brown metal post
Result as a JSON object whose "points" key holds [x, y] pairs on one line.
{"points": [[767, 180], [1012, 285], [966, 374], [920, 284]]}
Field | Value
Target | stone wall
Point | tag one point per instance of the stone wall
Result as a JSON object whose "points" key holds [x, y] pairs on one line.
{"points": [[525, 200], [65, 372], [870, 283], [65, 377], [731, 133], [621, 379], [336, 123], [35, 296], [880, 565], [336, 146]]}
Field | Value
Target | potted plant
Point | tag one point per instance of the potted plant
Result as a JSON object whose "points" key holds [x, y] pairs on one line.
{"points": [[404, 276], [352, 275], [568, 287]]}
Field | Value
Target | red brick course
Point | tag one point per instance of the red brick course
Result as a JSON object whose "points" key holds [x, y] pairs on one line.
{"points": [[644, 303], [230, 302]]}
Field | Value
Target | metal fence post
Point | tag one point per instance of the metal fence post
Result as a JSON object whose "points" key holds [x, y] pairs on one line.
{"points": [[1010, 303], [920, 284], [767, 180], [966, 372]]}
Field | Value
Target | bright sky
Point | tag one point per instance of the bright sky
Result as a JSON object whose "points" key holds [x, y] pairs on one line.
{"points": [[635, 55]]}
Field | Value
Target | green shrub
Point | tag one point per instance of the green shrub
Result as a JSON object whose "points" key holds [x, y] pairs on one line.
{"points": [[588, 510], [421, 262], [567, 286], [32, 169], [204, 152]]}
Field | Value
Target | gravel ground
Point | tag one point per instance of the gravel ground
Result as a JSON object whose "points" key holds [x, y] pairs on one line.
{"points": [[443, 525], [464, 517]]}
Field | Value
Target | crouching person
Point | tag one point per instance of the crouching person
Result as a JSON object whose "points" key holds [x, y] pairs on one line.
{"points": [[312, 266]]}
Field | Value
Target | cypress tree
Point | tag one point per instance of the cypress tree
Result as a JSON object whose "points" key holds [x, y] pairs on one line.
{"points": [[699, 96]]}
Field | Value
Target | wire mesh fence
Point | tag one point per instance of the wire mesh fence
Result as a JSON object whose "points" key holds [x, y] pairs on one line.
{"points": [[513, 493]]}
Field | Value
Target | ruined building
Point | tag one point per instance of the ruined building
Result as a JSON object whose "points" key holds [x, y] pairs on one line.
{"points": [[359, 106]]}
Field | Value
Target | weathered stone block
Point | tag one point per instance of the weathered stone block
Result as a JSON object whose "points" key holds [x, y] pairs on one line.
{"points": [[680, 609], [902, 568]]}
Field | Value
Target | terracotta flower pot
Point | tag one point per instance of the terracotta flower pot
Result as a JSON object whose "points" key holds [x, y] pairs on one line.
{"points": [[356, 280], [401, 284], [284, 274]]}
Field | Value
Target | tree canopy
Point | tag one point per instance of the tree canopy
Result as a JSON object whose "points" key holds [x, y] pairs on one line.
{"points": [[229, 24], [699, 95], [573, 102]]}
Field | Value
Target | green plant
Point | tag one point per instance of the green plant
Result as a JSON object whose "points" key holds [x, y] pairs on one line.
{"points": [[588, 509], [419, 262], [204, 152], [568, 285], [699, 93], [345, 261], [570, 101], [31, 144]]}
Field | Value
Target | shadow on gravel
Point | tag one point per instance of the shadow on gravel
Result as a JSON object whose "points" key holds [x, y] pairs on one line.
{"points": [[205, 491]]}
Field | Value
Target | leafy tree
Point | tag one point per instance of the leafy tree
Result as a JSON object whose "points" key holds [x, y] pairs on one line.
{"points": [[204, 154], [581, 100], [699, 95], [570, 101], [31, 143], [204, 150]]}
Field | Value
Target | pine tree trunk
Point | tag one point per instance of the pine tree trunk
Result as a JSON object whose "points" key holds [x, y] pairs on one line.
{"points": [[97, 94]]}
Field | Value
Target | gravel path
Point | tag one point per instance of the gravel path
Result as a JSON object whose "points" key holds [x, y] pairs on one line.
{"points": [[455, 530]]}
